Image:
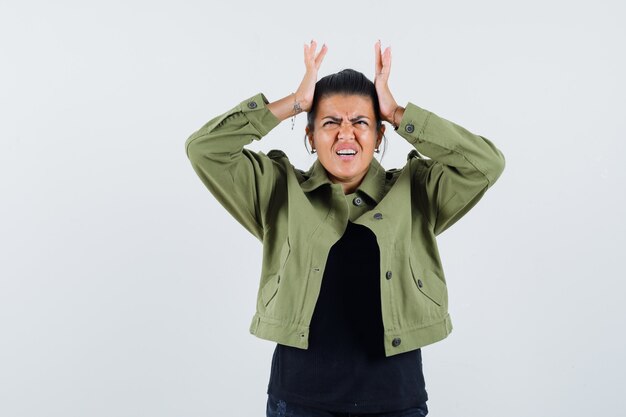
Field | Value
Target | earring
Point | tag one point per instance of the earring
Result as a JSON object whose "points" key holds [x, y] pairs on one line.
{"points": [[377, 150], [313, 150]]}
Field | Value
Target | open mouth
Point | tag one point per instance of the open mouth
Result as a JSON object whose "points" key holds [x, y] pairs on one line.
{"points": [[346, 153]]}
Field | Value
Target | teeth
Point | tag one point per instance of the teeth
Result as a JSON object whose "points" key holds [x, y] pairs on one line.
{"points": [[346, 152]]}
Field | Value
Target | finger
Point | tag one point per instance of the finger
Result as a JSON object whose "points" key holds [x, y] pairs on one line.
{"points": [[312, 48], [308, 45], [310, 55], [386, 61], [321, 55]]}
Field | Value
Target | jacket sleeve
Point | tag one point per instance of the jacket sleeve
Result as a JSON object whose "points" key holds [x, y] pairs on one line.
{"points": [[241, 180], [462, 165]]}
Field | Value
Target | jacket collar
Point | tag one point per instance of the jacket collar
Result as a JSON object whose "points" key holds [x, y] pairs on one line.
{"points": [[317, 177], [373, 184]]}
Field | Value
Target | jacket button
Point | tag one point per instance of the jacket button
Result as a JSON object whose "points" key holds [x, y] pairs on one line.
{"points": [[409, 128], [388, 274], [252, 105], [357, 201], [420, 283], [396, 342], [378, 216]]}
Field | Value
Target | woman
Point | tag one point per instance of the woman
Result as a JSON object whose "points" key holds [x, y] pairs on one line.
{"points": [[351, 285]]}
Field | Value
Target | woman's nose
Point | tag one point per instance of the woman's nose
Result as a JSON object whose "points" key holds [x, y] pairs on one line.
{"points": [[346, 131]]}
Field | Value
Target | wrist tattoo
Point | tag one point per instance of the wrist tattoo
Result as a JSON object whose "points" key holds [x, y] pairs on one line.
{"points": [[296, 109]]}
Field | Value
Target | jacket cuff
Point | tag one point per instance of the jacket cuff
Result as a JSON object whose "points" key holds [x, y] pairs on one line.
{"points": [[258, 114], [413, 123]]}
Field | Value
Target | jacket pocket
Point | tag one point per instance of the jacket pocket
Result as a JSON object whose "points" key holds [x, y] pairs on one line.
{"points": [[429, 283], [270, 289]]}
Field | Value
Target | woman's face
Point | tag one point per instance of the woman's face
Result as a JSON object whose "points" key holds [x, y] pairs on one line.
{"points": [[345, 137]]}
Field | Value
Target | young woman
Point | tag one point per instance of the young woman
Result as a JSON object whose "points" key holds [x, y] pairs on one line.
{"points": [[352, 284]]}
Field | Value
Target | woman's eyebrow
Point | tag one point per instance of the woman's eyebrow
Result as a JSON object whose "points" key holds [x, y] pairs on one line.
{"points": [[338, 119]]}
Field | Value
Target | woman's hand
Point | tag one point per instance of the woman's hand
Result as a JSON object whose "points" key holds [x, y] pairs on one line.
{"points": [[388, 106], [312, 62], [302, 99]]}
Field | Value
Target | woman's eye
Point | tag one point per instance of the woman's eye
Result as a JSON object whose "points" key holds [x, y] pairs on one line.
{"points": [[328, 123], [362, 122]]}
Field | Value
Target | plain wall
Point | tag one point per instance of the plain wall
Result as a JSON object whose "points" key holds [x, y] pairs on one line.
{"points": [[126, 290]]}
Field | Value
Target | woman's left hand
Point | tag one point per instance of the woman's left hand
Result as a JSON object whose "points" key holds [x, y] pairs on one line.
{"points": [[386, 101]]}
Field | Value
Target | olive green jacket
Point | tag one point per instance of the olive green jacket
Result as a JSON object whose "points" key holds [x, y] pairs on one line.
{"points": [[299, 215]]}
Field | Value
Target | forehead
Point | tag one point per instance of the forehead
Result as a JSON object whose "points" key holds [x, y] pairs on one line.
{"points": [[340, 105]]}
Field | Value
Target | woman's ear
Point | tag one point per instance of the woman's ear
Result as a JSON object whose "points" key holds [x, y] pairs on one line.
{"points": [[381, 132], [309, 135]]}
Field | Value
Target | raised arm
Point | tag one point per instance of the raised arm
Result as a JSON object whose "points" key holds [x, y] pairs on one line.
{"points": [[462, 165], [244, 181]]}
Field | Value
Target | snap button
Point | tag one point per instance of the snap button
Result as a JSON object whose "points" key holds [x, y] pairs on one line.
{"points": [[396, 342], [420, 283], [388, 275], [378, 216], [357, 201], [409, 128], [252, 105]]}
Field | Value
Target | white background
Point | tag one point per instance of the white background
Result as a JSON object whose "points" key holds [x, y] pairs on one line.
{"points": [[126, 290]]}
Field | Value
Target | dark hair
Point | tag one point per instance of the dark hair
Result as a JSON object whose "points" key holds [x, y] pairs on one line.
{"points": [[349, 82]]}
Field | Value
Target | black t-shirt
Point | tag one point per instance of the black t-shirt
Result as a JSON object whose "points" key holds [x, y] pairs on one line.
{"points": [[345, 368]]}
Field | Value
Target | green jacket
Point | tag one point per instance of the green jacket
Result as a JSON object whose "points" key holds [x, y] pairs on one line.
{"points": [[299, 215]]}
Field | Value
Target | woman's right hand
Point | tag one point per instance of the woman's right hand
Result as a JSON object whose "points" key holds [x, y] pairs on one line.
{"points": [[302, 99], [312, 62]]}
